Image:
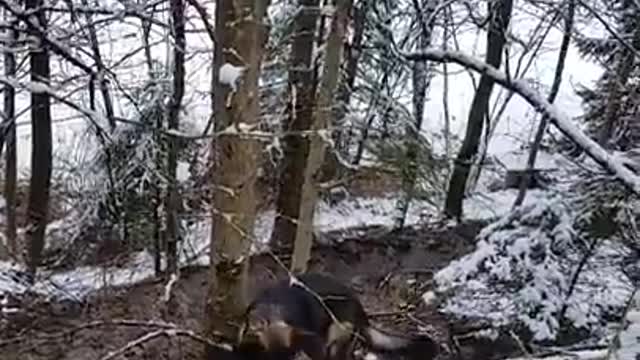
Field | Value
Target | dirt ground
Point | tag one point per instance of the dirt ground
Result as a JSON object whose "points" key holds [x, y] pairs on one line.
{"points": [[389, 271]]}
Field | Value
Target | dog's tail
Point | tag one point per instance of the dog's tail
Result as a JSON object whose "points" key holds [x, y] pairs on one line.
{"points": [[416, 347]]}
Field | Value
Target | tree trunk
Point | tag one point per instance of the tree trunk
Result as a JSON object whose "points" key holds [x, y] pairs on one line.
{"points": [[421, 80], [342, 137], [500, 14], [97, 57], [322, 117], [173, 197], [302, 89], [39, 186], [10, 174], [241, 36], [555, 87]]}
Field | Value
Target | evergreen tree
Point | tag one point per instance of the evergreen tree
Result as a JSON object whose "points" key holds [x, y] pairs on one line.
{"points": [[612, 105]]}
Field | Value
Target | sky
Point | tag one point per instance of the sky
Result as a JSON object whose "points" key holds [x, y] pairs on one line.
{"points": [[517, 124]]}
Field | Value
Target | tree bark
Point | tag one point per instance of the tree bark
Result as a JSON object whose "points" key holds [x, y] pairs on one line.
{"points": [[342, 136], [555, 87], [241, 36], [318, 136], [97, 57], [173, 196], [302, 87], [500, 14], [41, 157], [11, 155]]}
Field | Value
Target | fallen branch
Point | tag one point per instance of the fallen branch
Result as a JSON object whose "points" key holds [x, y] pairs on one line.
{"points": [[42, 339], [558, 118], [156, 334]]}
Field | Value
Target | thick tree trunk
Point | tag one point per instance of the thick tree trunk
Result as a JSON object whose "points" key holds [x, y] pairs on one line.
{"points": [[302, 89], [322, 116], [241, 34], [39, 186], [11, 158], [500, 14], [173, 197]]}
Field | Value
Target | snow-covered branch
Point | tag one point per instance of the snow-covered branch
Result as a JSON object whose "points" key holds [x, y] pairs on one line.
{"points": [[535, 99]]}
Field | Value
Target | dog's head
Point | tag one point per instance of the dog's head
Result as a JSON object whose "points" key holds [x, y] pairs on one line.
{"points": [[266, 323]]}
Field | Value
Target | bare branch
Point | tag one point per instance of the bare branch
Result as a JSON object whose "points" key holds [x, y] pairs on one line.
{"points": [[557, 117]]}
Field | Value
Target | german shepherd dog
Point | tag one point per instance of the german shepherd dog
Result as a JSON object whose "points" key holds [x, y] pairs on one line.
{"points": [[322, 317]]}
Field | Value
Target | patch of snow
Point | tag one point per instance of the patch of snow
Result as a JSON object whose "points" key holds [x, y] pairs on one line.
{"points": [[429, 297], [230, 74], [522, 267], [630, 334], [78, 283], [370, 356], [182, 171], [328, 10], [573, 355], [480, 206], [517, 160]]}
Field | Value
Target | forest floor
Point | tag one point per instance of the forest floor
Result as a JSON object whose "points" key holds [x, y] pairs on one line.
{"points": [[391, 272]]}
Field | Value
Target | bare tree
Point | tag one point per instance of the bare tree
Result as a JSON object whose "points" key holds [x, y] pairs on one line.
{"points": [[302, 88], [499, 13], [557, 117], [41, 157], [241, 36], [319, 136]]}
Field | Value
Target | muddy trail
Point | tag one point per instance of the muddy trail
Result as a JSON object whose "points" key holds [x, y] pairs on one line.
{"points": [[390, 272]]}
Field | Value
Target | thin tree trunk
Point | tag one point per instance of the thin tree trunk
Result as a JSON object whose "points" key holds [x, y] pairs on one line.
{"points": [[302, 89], [381, 86], [322, 116], [97, 57], [445, 100], [538, 102], [11, 156], [173, 198], [39, 186], [500, 14], [555, 87], [158, 198], [353, 51], [495, 115], [241, 34], [421, 82]]}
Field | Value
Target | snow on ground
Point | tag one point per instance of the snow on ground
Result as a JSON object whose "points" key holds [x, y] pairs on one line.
{"points": [[630, 335], [350, 213], [574, 355], [521, 270]]}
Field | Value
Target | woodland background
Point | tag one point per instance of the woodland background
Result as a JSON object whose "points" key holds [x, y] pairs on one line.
{"points": [[469, 167]]}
